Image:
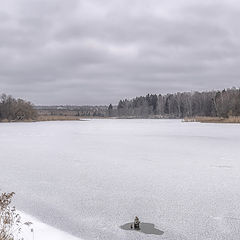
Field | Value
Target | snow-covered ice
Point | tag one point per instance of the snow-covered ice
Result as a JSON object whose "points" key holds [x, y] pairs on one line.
{"points": [[88, 178], [40, 231]]}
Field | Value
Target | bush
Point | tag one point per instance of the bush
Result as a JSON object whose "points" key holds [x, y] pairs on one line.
{"points": [[10, 220]]}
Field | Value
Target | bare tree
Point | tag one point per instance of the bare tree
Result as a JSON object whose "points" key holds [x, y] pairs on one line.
{"points": [[16, 109]]}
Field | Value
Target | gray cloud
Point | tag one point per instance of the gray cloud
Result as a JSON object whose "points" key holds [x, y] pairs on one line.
{"points": [[97, 52]]}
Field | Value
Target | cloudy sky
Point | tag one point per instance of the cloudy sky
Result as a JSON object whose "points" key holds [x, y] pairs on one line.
{"points": [[99, 51]]}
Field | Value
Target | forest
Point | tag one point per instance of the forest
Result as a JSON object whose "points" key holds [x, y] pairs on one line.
{"points": [[12, 109], [223, 103]]}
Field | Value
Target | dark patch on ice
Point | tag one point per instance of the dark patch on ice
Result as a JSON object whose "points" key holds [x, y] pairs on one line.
{"points": [[147, 228]]}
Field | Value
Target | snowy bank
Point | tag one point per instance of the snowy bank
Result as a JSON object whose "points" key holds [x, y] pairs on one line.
{"points": [[42, 231]]}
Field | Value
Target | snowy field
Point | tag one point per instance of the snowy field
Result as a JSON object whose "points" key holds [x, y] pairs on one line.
{"points": [[88, 178]]}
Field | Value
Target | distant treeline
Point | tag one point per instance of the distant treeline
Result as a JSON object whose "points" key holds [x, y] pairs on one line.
{"points": [[12, 109], [223, 103], [77, 111]]}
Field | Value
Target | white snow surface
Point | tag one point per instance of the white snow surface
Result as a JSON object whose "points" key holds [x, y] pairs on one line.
{"points": [[88, 178], [40, 231]]}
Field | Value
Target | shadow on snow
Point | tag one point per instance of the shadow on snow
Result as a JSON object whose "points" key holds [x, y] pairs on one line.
{"points": [[147, 228]]}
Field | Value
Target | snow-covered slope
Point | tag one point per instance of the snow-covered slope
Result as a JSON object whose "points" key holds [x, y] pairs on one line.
{"points": [[42, 231]]}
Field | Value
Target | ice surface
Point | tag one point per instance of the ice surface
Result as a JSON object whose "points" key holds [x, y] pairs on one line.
{"points": [[90, 177]]}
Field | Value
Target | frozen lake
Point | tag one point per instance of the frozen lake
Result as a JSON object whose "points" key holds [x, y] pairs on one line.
{"points": [[90, 177]]}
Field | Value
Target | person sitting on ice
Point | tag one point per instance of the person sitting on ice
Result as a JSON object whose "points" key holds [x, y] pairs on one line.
{"points": [[136, 223]]}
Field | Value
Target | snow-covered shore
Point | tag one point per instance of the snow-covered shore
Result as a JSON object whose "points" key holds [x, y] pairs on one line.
{"points": [[42, 231]]}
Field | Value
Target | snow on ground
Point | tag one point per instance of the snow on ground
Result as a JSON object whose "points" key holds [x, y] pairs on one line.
{"points": [[89, 178], [42, 231]]}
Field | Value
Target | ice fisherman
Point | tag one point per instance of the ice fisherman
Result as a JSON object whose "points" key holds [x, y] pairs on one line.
{"points": [[136, 223]]}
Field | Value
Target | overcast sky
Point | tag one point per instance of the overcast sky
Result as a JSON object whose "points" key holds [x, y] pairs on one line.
{"points": [[99, 51]]}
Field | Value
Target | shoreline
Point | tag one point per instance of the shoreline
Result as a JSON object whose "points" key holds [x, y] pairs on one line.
{"points": [[54, 118], [235, 120]]}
